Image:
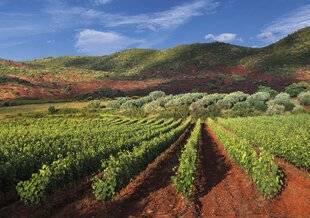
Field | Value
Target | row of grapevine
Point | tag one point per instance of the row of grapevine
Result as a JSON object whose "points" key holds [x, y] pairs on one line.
{"points": [[73, 167], [47, 140], [185, 175], [284, 136], [261, 167], [120, 169]]}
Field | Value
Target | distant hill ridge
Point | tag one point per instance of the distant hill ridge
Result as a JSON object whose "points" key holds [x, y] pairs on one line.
{"points": [[208, 67], [281, 57]]}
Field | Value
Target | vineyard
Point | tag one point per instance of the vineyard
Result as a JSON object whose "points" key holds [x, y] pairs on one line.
{"points": [[116, 166]]}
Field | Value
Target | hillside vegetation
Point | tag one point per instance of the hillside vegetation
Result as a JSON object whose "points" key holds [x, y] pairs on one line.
{"points": [[204, 67], [281, 57]]}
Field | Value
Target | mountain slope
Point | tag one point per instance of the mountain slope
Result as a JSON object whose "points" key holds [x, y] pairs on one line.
{"points": [[173, 62], [211, 67], [284, 56]]}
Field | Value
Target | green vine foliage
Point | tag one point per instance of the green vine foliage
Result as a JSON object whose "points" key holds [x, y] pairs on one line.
{"points": [[260, 167], [120, 169], [185, 175]]}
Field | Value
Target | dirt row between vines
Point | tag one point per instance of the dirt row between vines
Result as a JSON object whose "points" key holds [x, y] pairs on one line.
{"points": [[236, 195], [150, 193], [222, 189]]}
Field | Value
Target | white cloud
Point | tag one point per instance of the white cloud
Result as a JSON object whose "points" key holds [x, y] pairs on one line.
{"points": [[99, 43], [164, 20], [224, 37], [168, 19], [286, 24], [101, 2]]}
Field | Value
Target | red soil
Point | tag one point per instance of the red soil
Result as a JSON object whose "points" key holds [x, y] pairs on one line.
{"points": [[222, 189], [293, 200], [13, 64], [15, 91], [150, 194], [303, 75], [238, 70], [52, 86], [46, 86], [125, 86]]}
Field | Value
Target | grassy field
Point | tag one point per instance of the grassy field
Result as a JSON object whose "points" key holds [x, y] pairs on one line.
{"points": [[13, 111]]}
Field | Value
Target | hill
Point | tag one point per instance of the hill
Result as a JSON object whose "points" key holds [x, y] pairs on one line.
{"points": [[210, 67]]}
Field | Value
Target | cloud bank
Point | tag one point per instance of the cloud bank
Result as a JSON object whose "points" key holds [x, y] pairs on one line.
{"points": [[286, 24], [101, 43], [224, 37]]}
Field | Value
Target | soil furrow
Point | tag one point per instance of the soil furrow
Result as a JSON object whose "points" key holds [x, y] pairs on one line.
{"points": [[149, 194], [227, 191], [294, 200]]}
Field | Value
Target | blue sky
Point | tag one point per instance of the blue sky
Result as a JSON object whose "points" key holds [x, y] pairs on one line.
{"points": [[41, 28]]}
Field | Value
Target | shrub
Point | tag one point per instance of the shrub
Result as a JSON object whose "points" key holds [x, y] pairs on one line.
{"points": [[274, 108], [206, 106], [304, 98], [298, 109], [285, 100], [129, 105], [93, 106], [229, 100], [117, 103], [101, 93], [296, 88], [271, 91], [258, 100], [259, 96], [157, 105], [242, 109], [184, 99], [52, 110], [211, 99], [157, 94]]}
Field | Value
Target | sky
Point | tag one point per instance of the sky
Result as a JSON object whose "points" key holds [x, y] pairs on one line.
{"points": [[32, 29]]}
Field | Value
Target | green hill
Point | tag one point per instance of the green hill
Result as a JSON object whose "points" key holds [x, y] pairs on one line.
{"points": [[282, 57], [206, 67]]}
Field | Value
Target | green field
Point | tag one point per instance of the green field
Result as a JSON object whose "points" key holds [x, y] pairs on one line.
{"points": [[284, 136], [43, 150]]}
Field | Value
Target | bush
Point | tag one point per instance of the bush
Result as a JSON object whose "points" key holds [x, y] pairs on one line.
{"points": [[304, 98], [271, 91], [259, 96], [129, 105], [229, 100], [285, 100], [205, 107], [184, 99], [157, 94], [242, 109], [52, 110], [101, 93], [296, 88], [258, 100], [94, 104], [117, 103], [157, 105], [298, 109], [274, 108]]}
